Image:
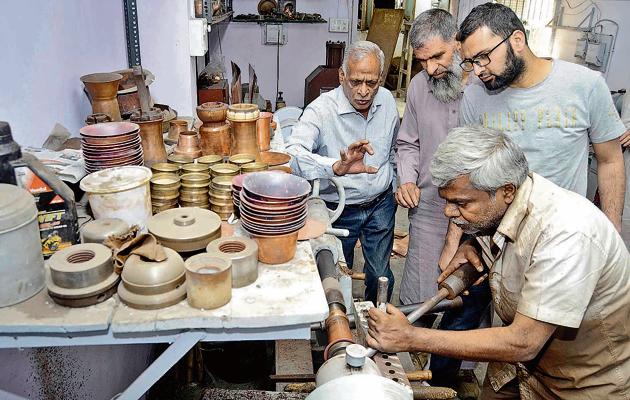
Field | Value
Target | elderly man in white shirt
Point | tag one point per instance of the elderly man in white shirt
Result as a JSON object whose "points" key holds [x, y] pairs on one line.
{"points": [[350, 133]]}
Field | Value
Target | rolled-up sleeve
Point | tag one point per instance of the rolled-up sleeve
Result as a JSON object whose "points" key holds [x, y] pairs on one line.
{"points": [[408, 142], [303, 144]]}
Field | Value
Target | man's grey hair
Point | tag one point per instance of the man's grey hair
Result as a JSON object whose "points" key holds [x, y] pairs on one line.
{"points": [[432, 23], [358, 50], [489, 157]]}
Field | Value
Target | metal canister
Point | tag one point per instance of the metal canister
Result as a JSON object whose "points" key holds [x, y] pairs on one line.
{"points": [[22, 266]]}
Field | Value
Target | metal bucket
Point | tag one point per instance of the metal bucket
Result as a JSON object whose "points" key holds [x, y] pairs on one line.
{"points": [[21, 259], [121, 192]]}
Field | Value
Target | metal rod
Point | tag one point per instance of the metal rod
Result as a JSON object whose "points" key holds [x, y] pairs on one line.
{"points": [[381, 293]]}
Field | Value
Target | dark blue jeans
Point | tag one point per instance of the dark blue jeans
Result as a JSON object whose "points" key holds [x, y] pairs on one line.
{"points": [[468, 317], [374, 226]]}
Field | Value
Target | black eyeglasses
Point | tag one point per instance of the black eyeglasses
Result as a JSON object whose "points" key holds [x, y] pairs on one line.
{"points": [[468, 64]]}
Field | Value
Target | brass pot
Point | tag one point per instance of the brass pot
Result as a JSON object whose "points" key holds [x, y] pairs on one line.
{"points": [[188, 145], [254, 167], [212, 112], [210, 159], [215, 139], [263, 130], [224, 169], [103, 89], [176, 127], [276, 249], [243, 118], [208, 281], [151, 136], [179, 160], [165, 168], [242, 159], [196, 167]]}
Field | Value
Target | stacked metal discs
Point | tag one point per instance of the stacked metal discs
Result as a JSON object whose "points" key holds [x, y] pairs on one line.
{"points": [[194, 191], [111, 144], [237, 186], [164, 191], [221, 196], [271, 203]]}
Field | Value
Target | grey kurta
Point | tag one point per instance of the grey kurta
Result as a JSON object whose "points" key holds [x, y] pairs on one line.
{"points": [[424, 126]]}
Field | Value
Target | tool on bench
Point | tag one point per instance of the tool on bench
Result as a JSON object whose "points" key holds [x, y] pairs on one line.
{"points": [[460, 280]]}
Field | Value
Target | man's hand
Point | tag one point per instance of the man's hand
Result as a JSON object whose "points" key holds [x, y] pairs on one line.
{"points": [[389, 332], [351, 161], [408, 195], [451, 244], [625, 139], [466, 253]]}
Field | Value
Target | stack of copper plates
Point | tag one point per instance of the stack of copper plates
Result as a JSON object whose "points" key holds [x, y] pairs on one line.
{"points": [[111, 144], [237, 186], [273, 209]]}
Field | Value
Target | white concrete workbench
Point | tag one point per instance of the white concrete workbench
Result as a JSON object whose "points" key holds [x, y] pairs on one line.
{"points": [[281, 304]]}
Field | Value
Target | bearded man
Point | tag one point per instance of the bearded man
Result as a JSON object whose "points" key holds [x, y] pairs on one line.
{"points": [[432, 109]]}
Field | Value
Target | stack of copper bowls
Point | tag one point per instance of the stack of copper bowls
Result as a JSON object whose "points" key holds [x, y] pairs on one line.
{"points": [[164, 191], [273, 209], [237, 186], [111, 144], [194, 190], [221, 196]]}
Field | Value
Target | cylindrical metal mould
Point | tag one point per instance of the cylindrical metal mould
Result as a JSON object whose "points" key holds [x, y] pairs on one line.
{"points": [[276, 249], [215, 139], [81, 265], [188, 145], [152, 140], [99, 230], [208, 281], [22, 271], [103, 89], [243, 253]]}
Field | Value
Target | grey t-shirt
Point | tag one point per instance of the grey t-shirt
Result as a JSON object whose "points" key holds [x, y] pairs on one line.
{"points": [[552, 122]]}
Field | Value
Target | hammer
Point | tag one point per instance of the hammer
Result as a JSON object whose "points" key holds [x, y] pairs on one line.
{"points": [[460, 280]]}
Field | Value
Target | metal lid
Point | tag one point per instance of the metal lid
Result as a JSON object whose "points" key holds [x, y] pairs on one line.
{"points": [[98, 230], [141, 272], [184, 224], [17, 207], [119, 179]]}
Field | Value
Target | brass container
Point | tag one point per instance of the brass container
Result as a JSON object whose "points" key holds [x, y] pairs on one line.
{"points": [[276, 249], [263, 130], [243, 118], [179, 160], [165, 181], [188, 145], [151, 136], [165, 197], [242, 159], [224, 169], [210, 159], [103, 89], [195, 179], [254, 167], [176, 127], [165, 168], [200, 191], [208, 281], [195, 167], [222, 183], [212, 112], [215, 138], [205, 206]]}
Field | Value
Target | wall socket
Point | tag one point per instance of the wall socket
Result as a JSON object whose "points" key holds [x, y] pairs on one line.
{"points": [[338, 25]]}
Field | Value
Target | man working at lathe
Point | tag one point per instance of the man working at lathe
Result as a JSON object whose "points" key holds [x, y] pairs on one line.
{"points": [[558, 271]]}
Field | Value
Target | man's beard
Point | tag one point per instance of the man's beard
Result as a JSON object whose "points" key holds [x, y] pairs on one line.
{"points": [[480, 229], [514, 68], [448, 88]]}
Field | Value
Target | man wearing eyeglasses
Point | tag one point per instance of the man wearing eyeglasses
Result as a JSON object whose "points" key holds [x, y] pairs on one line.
{"points": [[350, 133], [553, 109]]}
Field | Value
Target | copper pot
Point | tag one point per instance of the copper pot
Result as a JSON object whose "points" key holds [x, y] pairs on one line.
{"points": [[210, 160], [151, 135], [176, 127], [243, 118], [215, 138], [212, 112], [188, 145], [103, 89], [263, 130], [208, 281], [276, 249]]}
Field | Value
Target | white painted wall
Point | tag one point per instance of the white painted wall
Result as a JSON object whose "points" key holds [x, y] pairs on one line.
{"points": [[564, 46], [304, 51], [46, 46], [164, 50]]}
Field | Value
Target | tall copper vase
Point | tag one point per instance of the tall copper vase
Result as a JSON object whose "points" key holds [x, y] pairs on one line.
{"points": [[243, 118], [151, 136], [103, 89]]}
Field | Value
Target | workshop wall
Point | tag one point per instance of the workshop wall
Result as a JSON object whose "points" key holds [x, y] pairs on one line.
{"points": [[618, 11], [304, 51], [47, 46]]}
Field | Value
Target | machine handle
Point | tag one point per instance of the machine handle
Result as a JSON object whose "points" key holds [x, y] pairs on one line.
{"points": [[341, 192], [460, 280]]}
